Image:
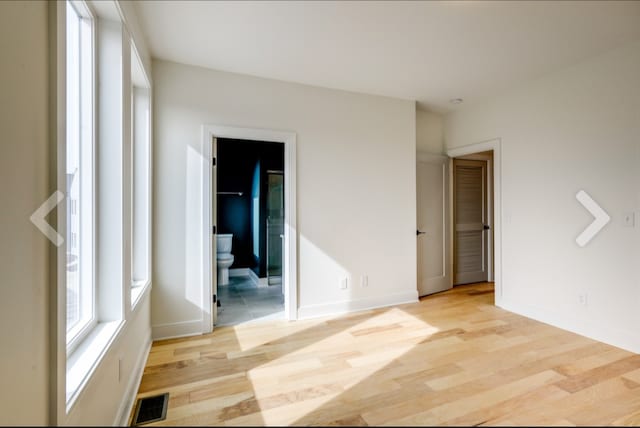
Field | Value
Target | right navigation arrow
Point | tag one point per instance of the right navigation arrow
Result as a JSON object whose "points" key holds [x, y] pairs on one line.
{"points": [[600, 221]]}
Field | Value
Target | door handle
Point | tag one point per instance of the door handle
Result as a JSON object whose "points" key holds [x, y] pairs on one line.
{"points": [[419, 232]]}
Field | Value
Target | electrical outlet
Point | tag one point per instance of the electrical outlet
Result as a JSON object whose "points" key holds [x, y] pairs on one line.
{"points": [[629, 220], [582, 298], [343, 283], [364, 281]]}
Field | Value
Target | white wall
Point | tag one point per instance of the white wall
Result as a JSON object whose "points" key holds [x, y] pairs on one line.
{"points": [[575, 129], [429, 132], [24, 185], [356, 188]]}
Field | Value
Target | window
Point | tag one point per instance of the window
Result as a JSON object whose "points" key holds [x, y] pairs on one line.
{"points": [[79, 176], [140, 178], [104, 166]]}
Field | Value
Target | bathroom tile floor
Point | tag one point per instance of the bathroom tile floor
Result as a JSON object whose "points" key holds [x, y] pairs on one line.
{"points": [[242, 301]]}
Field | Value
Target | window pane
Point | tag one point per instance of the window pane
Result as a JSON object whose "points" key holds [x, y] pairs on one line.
{"points": [[79, 179], [73, 168], [140, 187]]}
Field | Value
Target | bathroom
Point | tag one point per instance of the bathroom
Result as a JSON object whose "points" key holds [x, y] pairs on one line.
{"points": [[249, 240]]}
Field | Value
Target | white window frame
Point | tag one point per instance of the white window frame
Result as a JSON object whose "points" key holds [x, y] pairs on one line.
{"points": [[75, 336], [85, 357], [140, 199]]}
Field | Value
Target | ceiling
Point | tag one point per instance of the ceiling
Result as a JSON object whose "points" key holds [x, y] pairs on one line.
{"points": [[429, 51]]}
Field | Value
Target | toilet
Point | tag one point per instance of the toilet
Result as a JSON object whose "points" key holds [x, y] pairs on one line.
{"points": [[224, 258]]}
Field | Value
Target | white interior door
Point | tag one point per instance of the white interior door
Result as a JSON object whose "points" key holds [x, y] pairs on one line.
{"points": [[433, 224], [470, 219], [214, 229]]}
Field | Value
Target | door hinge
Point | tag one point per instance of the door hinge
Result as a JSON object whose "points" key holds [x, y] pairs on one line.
{"points": [[214, 230], [215, 298], [213, 161]]}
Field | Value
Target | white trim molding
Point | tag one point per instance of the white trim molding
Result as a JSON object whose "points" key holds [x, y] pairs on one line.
{"points": [[495, 145], [259, 282], [238, 272], [178, 329], [249, 273], [290, 258], [346, 306]]}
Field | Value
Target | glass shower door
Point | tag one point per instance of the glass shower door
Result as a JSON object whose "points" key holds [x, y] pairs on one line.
{"points": [[275, 226]]}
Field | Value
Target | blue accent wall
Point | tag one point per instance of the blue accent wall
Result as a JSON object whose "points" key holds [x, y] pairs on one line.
{"points": [[242, 166]]}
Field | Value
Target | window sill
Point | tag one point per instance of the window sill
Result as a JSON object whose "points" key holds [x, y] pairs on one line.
{"points": [[138, 289], [87, 356]]}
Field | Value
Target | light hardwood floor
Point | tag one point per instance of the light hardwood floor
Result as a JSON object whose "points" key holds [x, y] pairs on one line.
{"points": [[452, 359]]}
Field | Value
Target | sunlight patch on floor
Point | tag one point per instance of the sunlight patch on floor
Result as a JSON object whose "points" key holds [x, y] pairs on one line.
{"points": [[251, 335], [303, 367]]}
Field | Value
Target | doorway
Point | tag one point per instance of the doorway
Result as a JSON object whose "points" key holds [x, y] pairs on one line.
{"points": [[494, 184], [257, 198], [472, 218], [249, 218], [436, 223]]}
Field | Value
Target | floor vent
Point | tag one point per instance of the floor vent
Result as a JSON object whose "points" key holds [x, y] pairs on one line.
{"points": [[151, 409]]}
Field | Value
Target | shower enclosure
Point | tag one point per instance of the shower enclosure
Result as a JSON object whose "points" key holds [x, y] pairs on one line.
{"points": [[275, 226]]}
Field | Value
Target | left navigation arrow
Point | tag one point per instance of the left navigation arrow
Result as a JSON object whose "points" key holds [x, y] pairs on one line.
{"points": [[37, 218]]}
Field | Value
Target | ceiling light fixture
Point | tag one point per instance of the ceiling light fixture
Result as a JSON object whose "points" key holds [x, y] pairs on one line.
{"points": [[456, 100]]}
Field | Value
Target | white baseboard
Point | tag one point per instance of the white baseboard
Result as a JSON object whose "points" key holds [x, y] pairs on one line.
{"points": [[239, 272], [259, 282], [621, 338], [129, 397], [178, 329], [335, 308]]}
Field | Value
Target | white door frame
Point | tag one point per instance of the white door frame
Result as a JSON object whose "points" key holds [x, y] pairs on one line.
{"points": [[289, 259], [496, 184]]}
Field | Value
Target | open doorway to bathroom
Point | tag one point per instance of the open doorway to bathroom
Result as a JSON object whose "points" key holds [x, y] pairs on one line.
{"points": [[250, 209]]}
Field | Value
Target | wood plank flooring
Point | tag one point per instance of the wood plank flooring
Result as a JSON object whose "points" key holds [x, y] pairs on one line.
{"points": [[451, 359]]}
